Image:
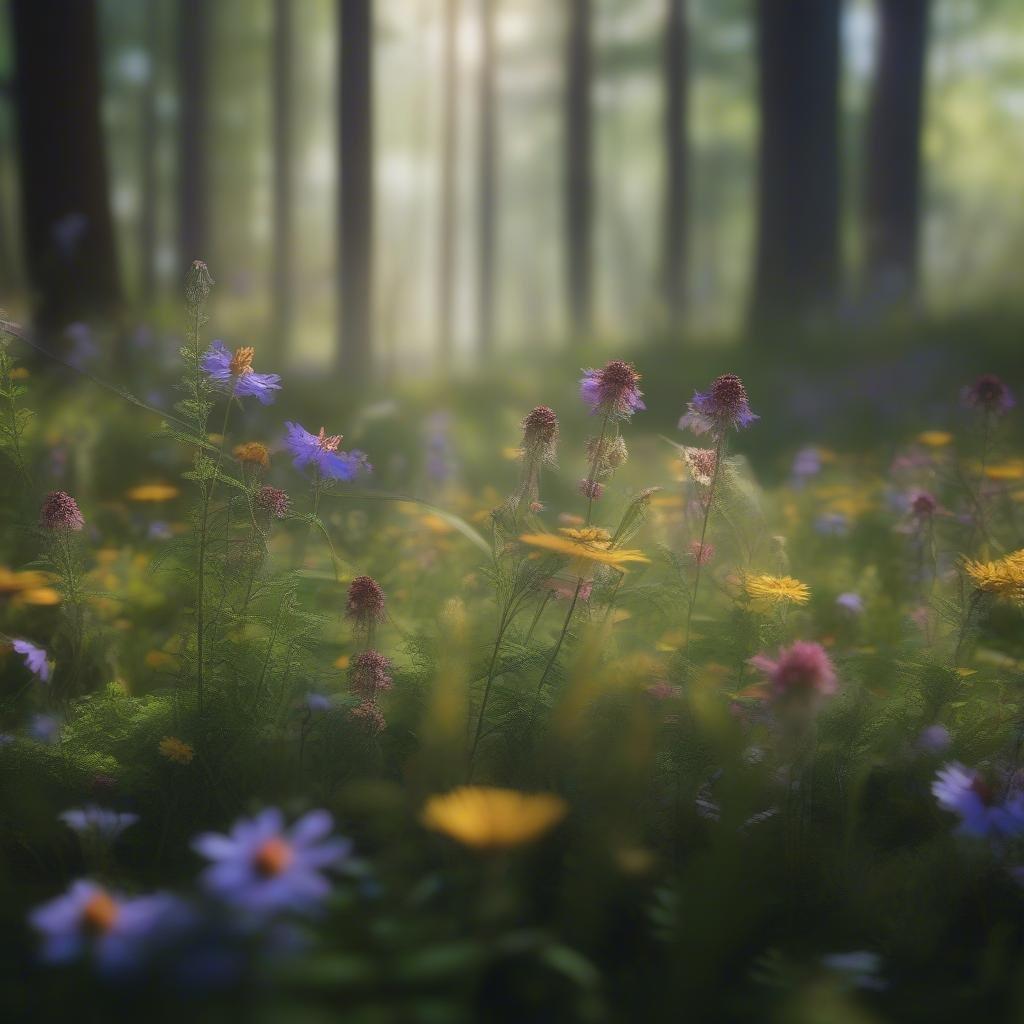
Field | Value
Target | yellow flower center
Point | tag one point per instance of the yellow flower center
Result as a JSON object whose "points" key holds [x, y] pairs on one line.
{"points": [[241, 361]]}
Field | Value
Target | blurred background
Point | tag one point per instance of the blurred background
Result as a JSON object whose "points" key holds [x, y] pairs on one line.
{"points": [[389, 187]]}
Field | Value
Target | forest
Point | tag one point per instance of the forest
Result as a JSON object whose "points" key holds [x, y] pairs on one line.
{"points": [[511, 510]]}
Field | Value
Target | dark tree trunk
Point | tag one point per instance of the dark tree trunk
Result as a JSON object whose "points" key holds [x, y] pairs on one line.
{"points": [[282, 145], [193, 173], [148, 158], [70, 250], [355, 185], [449, 145], [676, 84], [577, 170], [892, 196], [796, 274], [488, 184]]}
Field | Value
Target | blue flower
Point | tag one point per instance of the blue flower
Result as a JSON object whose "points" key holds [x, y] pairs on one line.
{"points": [[971, 798], [321, 450], [263, 867], [235, 373], [36, 660], [851, 602], [120, 933], [98, 823], [44, 728]]}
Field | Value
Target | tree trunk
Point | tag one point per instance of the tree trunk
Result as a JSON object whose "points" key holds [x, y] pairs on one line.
{"points": [[488, 184], [892, 196], [449, 144], [578, 171], [796, 274], [193, 173], [675, 68], [148, 158], [355, 186], [70, 251], [282, 146]]}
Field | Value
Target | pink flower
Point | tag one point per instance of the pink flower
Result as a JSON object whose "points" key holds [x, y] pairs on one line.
{"points": [[60, 512], [803, 670]]}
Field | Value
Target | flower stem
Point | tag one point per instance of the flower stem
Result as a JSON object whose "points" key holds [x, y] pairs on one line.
{"points": [[719, 450]]}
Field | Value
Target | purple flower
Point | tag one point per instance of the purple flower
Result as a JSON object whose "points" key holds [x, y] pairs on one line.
{"points": [[612, 390], [801, 671], [371, 674], [365, 605], [44, 728], [806, 463], [263, 867], [119, 933], [98, 823], [851, 602], [321, 450], [317, 702], [989, 394], [934, 738], [722, 406], [36, 660], [273, 502], [60, 512], [972, 799], [235, 372]]}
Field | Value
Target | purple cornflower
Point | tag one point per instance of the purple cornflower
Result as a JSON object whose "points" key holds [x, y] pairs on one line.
{"points": [[272, 501], [235, 373], [119, 933], [98, 823], [972, 799], [989, 394], [722, 406], [802, 670], [613, 390], [36, 660], [321, 450], [263, 867], [60, 512], [365, 605], [371, 674]]}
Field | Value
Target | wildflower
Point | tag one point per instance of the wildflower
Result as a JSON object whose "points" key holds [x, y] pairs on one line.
{"points": [[370, 715], [776, 589], [935, 438], [198, 283], [272, 501], [235, 372], [701, 553], [832, 524], [253, 453], [371, 674], [119, 933], [972, 799], [590, 489], [922, 505], [606, 454], [540, 435], [989, 394], [1003, 577], [44, 728], [365, 606], [317, 702], [806, 463], [156, 492], [586, 547], [98, 823], [722, 406], [664, 690], [321, 451], [800, 671], [701, 463], [487, 818], [851, 603], [613, 390], [934, 738], [176, 750], [36, 660], [60, 512]]}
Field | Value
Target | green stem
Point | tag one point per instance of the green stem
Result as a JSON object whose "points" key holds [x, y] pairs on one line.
{"points": [[561, 638], [719, 450], [502, 626]]}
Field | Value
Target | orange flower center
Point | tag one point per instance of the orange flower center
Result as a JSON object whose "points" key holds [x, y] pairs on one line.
{"points": [[241, 361], [328, 444], [273, 857], [100, 913]]}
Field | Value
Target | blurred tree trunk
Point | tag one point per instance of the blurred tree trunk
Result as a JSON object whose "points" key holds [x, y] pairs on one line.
{"points": [[193, 173], [355, 185], [796, 272], [488, 184], [70, 250], [282, 146], [892, 196], [676, 103], [148, 157], [449, 146], [578, 170]]}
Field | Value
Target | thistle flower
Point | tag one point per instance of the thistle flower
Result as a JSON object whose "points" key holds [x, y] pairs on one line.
{"points": [[970, 797], [175, 750], [252, 453], [540, 435], [989, 394], [322, 451], [613, 390], [723, 406], [198, 283], [98, 824], [36, 659], [60, 512], [235, 373], [487, 818], [369, 715], [263, 867], [587, 547], [371, 674], [272, 501], [776, 589], [365, 605], [800, 671], [591, 489], [701, 553], [701, 463]]}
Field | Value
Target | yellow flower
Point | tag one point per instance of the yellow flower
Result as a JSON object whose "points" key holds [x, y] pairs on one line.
{"points": [[1012, 470], [586, 546], [152, 492], [176, 750], [18, 582], [935, 438], [1003, 577], [252, 452], [487, 818], [39, 596], [776, 589]]}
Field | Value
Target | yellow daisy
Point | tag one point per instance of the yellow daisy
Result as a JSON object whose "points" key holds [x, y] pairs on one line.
{"points": [[587, 546], [487, 818], [1004, 577], [776, 589]]}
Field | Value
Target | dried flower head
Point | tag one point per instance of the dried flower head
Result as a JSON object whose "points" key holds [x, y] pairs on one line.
{"points": [[540, 435], [613, 390], [369, 715], [272, 501], [252, 452], [370, 674], [723, 406], [60, 512], [701, 463], [989, 394], [198, 283], [591, 489], [365, 605]]}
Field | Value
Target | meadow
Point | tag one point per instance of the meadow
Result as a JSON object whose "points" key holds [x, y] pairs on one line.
{"points": [[587, 695]]}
